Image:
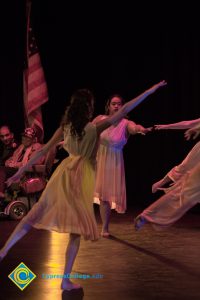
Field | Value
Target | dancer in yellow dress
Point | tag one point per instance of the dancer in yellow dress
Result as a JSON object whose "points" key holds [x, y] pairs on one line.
{"points": [[66, 204]]}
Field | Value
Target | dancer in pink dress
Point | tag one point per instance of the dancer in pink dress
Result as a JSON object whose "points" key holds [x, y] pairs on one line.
{"points": [[110, 187], [184, 193], [66, 204]]}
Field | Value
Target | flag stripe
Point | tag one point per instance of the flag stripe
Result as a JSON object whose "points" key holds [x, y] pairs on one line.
{"points": [[34, 104], [35, 89], [35, 84]]}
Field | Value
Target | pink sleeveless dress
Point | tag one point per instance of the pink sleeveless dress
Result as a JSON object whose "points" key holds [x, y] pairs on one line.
{"points": [[110, 177]]}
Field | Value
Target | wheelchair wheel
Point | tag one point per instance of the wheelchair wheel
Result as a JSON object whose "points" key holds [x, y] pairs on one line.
{"points": [[17, 211]]}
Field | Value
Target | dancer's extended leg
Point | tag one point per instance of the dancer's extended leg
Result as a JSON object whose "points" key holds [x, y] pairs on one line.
{"points": [[21, 229]]}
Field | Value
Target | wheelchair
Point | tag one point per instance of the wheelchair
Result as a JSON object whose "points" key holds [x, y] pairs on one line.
{"points": [[20, 197]]}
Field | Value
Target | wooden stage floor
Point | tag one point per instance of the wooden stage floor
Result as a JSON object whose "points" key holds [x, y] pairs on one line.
{"points": [[144, 265]]}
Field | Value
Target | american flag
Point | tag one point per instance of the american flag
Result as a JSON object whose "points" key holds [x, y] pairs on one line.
{"points": [[35, 88]]}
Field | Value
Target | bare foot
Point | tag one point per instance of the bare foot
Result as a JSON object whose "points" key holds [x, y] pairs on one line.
{"points": [[105, 234], [68, 285]]}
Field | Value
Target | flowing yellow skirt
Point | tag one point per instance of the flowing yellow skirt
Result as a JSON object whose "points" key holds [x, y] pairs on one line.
{"points": [[66, 204]]}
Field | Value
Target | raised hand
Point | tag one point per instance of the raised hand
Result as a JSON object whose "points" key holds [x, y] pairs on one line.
{"points": [[157, 86], [192, 133]]}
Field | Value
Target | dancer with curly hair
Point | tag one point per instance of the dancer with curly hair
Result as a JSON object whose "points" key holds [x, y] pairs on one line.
{"points": [[66, 204]]}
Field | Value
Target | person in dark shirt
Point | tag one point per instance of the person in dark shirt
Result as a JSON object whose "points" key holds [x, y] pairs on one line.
{"points": [[7, 144], [19, 157]]}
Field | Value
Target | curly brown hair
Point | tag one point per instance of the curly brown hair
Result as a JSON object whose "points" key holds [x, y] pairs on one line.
{"points": [[79, 112]]}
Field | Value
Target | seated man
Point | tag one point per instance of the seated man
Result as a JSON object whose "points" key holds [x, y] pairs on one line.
{"points": [[7, 144], [20, 157]]}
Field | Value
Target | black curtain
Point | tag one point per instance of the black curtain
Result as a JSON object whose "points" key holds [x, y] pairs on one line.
{"points": [[116, 49]]}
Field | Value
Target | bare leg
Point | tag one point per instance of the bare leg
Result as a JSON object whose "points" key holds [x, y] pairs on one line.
{"points": [[21, 229], [72, 250], [71, 253], [105, 211]]}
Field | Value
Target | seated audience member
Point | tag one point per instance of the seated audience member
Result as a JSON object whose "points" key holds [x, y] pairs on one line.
{"points": [[20, 157], [7, 144]]}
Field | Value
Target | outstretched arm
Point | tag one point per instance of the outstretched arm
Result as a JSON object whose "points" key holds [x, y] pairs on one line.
{"points": [[127, 107], [179, 125], [137, 128], [54, 140]]}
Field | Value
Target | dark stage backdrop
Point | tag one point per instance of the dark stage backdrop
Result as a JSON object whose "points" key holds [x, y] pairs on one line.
{"points": [[114, 49]]}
